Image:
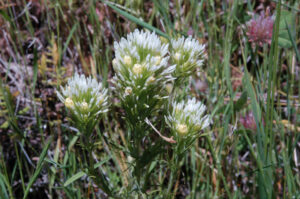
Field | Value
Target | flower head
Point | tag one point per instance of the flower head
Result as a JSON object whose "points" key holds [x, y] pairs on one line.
{"points": [[248, 121], [187, 118], [260, 29], [85, 98], [187, 54], [141, 64]]}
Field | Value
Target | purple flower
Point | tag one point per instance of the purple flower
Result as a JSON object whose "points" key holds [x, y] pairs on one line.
{"points": [[260, 29], [248, 121]]}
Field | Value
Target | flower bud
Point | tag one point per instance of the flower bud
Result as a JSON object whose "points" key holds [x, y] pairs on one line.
{"points": [[137, 69], [128, 91], [69, 103], [169, 87], [84, 106], [182, 129], [114, 63], [127, 60], [151, 79], [158, 60], [177, 56]]}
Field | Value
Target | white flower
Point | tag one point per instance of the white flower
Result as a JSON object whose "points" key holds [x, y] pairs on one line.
{"points": [[188, 116], [190, 46]]}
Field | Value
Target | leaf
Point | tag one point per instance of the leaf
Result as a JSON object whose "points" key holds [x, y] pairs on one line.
{"points": [[293, 42], [69, 38], [287, 19], [74, 178], [136, 20], [150, 153], [284, 43], [102, 162], [238, 105], [3, 193], [38, 168]]}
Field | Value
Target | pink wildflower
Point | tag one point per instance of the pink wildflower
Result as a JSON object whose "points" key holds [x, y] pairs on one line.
{"points": [[249, 121], [260, 29]]}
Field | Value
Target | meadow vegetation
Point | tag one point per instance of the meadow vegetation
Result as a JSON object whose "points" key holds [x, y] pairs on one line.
{"points": [[149, 99]]}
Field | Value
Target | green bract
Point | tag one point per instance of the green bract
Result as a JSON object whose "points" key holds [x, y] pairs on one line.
{"points": [[86, 99]]}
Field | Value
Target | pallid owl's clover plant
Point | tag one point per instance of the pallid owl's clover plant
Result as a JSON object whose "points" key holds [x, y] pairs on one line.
{"points": [[186, 120], [86, 100], [144, 68], [141, 74]]}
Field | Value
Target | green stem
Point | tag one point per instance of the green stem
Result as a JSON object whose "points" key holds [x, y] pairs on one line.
{"points": [[217, 163], [101, 182], [176, 165]]}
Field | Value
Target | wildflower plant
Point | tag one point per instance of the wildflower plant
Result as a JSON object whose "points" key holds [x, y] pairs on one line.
{"points": [[186, 120], [145, 67], [142, 72], [86, 100]]}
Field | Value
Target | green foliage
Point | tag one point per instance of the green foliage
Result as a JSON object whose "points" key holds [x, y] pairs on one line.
{"points": [[287, 20]]}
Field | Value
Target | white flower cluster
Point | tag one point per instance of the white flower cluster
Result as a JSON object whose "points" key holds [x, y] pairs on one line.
{"points": [[187, 118], [187, 54], [142, 72], [84, 97]]}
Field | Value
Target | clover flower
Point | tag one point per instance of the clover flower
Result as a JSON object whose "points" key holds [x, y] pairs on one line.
{"points": [[187, 54], [142, 71], [86, 99], [248, 121], [260, 29], [187, 118]]}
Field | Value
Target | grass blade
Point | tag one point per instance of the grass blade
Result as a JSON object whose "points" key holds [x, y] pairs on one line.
{"points": [[38, 168], [136, 20], [74, 178]]}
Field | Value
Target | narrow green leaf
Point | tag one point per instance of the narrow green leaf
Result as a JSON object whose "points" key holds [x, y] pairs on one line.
{"points": [[239, 104], [74, 178], [287, 20], [3, 193], [38, 168], [293, 41], [136, 20], [69, 38]]}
